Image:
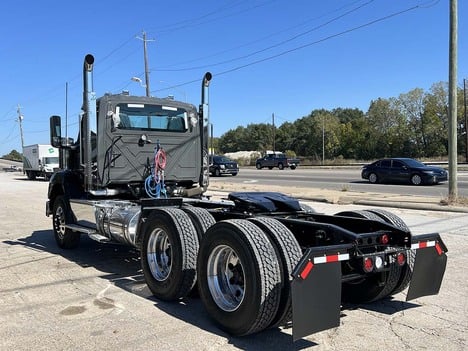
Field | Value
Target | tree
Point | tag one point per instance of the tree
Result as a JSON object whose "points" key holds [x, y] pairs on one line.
{"points": [[13, 156]]}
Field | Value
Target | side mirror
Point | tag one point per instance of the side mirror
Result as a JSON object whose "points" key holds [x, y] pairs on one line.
{"points": [[55, 131]]}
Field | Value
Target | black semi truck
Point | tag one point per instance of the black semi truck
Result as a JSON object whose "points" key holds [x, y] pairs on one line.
{"points": [[258, 259]]}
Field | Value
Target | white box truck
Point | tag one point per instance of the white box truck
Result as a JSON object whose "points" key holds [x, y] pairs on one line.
{"points": [[40, 160]]}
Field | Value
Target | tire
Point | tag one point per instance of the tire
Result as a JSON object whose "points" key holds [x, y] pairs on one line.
{"points": [[407, 269], [370, 288], [289, 253], [373, 178], [239, 277], [31, 175], [258, 166], [280, 166], [217, 173], [169, 253], [416, 179], [292, 167], [234, 174], [360, 214], [201, 219], [62, 215]]}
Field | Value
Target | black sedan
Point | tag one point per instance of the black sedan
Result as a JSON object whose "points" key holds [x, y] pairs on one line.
{"points": [[220, 165], [403, 170]]}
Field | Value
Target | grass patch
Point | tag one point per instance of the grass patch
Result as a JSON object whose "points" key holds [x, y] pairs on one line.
{"points": [[454, 201]]}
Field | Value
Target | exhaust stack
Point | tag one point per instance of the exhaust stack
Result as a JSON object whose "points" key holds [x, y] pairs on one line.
{"points": [[204, 132], [89, 110]]}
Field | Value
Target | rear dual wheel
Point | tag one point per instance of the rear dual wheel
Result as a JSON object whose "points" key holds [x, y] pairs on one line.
{"points": [[169, 253], [407, 269], [372, 287], [239, 276], [388, 283]]}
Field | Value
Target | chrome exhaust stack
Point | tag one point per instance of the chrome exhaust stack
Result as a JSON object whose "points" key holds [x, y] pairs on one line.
{"points": [[204, 132], [89, 111]]}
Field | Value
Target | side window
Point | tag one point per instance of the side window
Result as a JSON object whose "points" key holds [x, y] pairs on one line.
{"points": [[385, 164], [397, 164]]}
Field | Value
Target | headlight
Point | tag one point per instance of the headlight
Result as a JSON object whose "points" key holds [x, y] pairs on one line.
{"points": [[222, 166]]}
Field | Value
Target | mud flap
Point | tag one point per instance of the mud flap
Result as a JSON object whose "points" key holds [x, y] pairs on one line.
{"points": [[316, 290], [429, 265]]}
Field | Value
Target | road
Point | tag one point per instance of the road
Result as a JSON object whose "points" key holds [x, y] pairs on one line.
{"points": [[95, 298], [338, 179]]}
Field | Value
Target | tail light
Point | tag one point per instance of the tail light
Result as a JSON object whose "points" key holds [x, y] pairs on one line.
{"points": [[384, 239], [401, 258], [368, 264]]}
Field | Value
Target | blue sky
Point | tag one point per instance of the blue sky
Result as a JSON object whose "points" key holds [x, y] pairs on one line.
{"points": [[286, 57]]}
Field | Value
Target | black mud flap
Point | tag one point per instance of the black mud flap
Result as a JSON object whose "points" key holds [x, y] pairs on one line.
{"points": [[429, 265], [316, 290]]}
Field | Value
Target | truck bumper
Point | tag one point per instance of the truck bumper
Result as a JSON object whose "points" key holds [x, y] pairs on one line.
{"points": [[317, 281]]}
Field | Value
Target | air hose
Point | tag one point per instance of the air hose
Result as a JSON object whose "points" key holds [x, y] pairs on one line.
{"points": [[154, 183]]}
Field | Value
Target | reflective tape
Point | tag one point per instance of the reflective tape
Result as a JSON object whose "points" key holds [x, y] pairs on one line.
{"points": [[422, 245], [331, 258]]}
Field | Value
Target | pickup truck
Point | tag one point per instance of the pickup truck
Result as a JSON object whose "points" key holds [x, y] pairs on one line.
{"points": [[279, 160]]}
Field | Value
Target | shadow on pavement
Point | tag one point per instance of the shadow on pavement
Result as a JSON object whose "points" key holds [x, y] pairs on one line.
{"points": [[120, 265]]}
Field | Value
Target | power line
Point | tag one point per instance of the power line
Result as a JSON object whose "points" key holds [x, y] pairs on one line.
{"points": [[367, 24], [267, 36], [272, 46]]}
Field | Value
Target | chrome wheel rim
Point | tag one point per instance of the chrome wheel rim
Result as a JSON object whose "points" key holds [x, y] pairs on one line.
{"points": [[226, 278], [59, 222], [159, 254]]}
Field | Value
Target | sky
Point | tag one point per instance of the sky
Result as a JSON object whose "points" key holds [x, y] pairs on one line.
{"points": [[268, 57]]}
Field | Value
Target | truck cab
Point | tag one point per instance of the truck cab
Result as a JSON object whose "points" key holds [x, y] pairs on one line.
{"points": [[120, 136]]}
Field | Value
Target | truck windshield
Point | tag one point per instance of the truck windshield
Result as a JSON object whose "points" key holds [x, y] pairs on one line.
{"points": [[51, 160], [150, 117]]}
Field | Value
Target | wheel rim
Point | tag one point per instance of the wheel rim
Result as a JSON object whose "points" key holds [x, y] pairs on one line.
{"points": [[59, 222], [226, 278], [159, 254], [416, 179], [372, 178]]}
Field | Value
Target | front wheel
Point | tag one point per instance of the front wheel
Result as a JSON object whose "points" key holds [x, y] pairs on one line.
{"points": [[61, 216], [280, 166], [373, 178], [258, 166], [416, 179], [169, 253], [239, 277]]}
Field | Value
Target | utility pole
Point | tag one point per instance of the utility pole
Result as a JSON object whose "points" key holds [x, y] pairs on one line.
{"points": [[466, 121], [452, 125], [274, 130], [147, 83], [20, 120]]}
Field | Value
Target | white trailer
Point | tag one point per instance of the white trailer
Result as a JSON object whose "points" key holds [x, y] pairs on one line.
{"points": [[40, 160]]}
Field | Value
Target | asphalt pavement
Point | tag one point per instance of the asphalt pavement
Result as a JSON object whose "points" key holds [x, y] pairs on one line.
{"points": [[370, 198]]}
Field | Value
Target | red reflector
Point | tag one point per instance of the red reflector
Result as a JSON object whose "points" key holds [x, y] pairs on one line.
{"points": [[368, 264], [305, 272], [439, 249], [384, 239], [401, 259], [422, 244], [332, 258]]}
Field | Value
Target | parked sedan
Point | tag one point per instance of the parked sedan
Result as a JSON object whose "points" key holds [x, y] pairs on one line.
{"points": [[403, 170], [220, 165]]}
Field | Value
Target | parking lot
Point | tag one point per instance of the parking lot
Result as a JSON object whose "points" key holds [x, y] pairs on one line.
{"points": [[94, 297]]}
